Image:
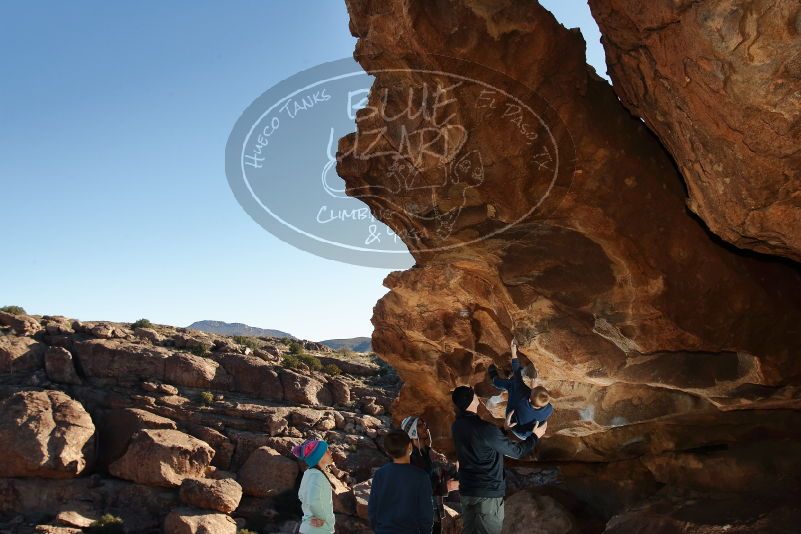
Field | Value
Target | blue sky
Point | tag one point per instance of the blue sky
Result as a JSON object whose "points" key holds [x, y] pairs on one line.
{"points": [[113, 123]]}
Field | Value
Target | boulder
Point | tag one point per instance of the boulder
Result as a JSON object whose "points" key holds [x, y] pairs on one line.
{"points": [[251, 375], [189, 370], [191, 521], [340, 391], [117, 426], [60, 366], [223, 447], [22, 324], [268, 473], [20, 354], [301, 389], [44, 434], [541, 514], [361, 494], [163, 458], [120, 360], [222, 495], [149, 334]]}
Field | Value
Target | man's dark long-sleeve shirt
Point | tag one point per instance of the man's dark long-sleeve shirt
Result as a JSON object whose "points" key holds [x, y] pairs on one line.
{"points": [[401, 500], [480, 447]]}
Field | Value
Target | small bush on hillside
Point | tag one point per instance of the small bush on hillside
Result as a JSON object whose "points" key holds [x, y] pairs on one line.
{"points": [[312, 362], [247, 341], [295, 361], [344, 352], [199, 351], [14, 310], [142, 323], [290, 361], [107, 524], [332, 369], [206, 398], [295, 348]]}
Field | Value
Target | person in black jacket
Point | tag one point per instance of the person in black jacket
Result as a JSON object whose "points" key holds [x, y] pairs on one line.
{"points": [[480, 448], [400, 497]]}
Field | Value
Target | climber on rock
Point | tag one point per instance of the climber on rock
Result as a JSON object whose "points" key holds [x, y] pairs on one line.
{"points": [[480, 448], [528, 404]]}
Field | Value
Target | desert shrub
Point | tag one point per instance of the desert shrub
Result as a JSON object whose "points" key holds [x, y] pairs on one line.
{"points": [[142, 323], [207, 397], [290, 361], [107, 524], [13, 310], [295, 361], [332, 369], [295, 348], [312, 362], [247, 341], [199, 351]]}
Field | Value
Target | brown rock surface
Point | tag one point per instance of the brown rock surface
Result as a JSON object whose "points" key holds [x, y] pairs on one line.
{"points": [[267, 472], [190, 521], [222, 495], [654, 338], [117, 427], [60, 366], [20, 354], [22, 324], [44, 434], [163, 458], [719, 82]]}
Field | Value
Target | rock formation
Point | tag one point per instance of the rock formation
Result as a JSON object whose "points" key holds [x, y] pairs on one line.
{"points": [[537, 207], [172, 430], [720, 83]]}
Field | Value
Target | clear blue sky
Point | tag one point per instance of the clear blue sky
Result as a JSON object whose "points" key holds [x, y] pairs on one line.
{"points": [[113, 123]]}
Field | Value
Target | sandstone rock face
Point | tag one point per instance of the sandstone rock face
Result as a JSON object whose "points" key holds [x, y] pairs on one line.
{"points": [[222, 495], [302, 389], [571, 235], [44, 434], [163, 458], [20, 354], [118, 426], [60, 366], [22, 324], [719, 81], [112, 358], [267, 472], [189, 521], [540, 514]]}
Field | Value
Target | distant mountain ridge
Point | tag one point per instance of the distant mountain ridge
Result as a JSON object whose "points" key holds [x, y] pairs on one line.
{"points": [[356, 344], [236, 329]]}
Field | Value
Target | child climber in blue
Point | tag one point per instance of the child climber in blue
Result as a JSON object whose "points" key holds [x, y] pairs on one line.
{"points": [[528, 404]]}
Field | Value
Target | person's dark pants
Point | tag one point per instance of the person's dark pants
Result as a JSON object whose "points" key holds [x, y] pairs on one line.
{"points": [[482, 515]]}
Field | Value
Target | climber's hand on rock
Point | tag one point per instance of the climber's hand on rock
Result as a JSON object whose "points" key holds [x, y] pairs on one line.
{"points": [[508, 421], [316, 522], [539, 429], [514, 348]]}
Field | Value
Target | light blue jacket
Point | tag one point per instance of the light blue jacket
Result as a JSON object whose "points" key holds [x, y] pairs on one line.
{"points": [[316, 500]]}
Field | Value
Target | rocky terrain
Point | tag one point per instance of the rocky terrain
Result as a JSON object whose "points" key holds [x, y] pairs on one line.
{"points": [[537, 206], [176, 431]]}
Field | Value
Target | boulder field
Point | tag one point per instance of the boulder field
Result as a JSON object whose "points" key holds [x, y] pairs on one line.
{"points": [[175, 431]]}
